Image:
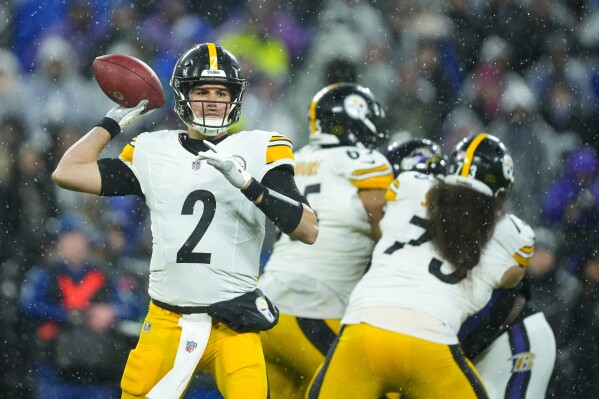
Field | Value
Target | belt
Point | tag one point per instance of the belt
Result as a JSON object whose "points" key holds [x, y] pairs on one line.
{"points": [[180, 309]]}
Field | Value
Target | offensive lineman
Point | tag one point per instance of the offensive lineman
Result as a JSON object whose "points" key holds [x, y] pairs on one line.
{"points": [[511, 345], [208, 192], [445, 246], [345, 181]]}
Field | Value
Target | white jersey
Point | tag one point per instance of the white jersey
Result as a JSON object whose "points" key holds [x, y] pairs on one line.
{"points": [[316, 281], [207, 235], [412, 282]]}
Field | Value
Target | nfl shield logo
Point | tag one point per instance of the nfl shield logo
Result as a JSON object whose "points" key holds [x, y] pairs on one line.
{"points": [[195, 165], [190, 346], [147, 326]]}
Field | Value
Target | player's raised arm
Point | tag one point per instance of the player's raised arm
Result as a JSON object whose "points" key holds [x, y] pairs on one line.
{"points": [[78, 168]]}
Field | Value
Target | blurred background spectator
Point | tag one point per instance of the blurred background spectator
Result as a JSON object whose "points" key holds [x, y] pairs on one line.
{"points": [[525, 70]]}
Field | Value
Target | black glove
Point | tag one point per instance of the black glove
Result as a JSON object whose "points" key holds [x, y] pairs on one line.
{"points": [[252, 311]]}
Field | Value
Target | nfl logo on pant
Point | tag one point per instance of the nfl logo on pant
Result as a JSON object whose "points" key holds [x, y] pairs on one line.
{"points": [[190, 346]]}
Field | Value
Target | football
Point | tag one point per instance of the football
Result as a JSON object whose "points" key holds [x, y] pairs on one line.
{"points": [[127, 80]]}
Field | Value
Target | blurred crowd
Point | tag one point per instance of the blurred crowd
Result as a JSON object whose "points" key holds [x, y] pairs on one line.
{"points": [[526, 71]]}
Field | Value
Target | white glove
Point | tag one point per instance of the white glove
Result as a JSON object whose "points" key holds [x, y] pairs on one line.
{"points": [[229, 166], [125, 116]]}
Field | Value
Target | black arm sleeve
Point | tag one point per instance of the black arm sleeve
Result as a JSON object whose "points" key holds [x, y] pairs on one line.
{"points": [[281, 201], [281, 180], [117, 178]]}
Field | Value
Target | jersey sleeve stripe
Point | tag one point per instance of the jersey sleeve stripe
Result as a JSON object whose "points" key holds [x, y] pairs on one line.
{"points": [[391, 194], [523, 261], [127, 152], [280, 139], [278, 152], [379, 168], [528, 249], [377, 182]]}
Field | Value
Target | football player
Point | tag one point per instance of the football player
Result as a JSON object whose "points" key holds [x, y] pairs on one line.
{"points": [[345, 180], [208, 192], [511, 345], [445, 245], [418, 155]]}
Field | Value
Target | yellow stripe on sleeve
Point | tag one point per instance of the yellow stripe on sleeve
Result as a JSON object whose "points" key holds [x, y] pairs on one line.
{"points": [[127, 152], [277, 152], [376, 182], [390, 195], [381, 168], [282, 139], [522, 261], [527, 250]]}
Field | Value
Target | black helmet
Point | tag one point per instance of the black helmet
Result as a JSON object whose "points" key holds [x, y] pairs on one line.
{"points": [[419, 155], [207, 63], [483, 163], [346, 114]]}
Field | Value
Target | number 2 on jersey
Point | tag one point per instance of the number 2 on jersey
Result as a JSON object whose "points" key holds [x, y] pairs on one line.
{"points": [[185, 253]]}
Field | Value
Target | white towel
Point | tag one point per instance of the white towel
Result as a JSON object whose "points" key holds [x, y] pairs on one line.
{"points": [[194, 338]]}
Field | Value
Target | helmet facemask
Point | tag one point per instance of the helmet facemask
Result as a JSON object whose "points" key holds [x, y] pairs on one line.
{"points": [[207, 63]]}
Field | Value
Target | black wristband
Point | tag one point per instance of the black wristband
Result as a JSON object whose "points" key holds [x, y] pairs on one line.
{"points": [[254, 190], [285, 212], [111, 125]]}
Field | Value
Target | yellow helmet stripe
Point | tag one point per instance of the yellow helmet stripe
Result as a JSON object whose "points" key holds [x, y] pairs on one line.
{"points": [[312, 108], [470, 153], [213, 56]]}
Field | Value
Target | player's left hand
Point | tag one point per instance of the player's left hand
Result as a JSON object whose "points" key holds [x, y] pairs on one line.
{"points": [[229, 166]]}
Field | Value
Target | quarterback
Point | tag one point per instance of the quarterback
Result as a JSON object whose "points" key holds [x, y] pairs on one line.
{"points": [[445, 245], [208, 192]]}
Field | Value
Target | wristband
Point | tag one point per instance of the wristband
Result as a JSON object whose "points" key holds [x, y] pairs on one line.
{"points": [[254, 190], [110, 125]]}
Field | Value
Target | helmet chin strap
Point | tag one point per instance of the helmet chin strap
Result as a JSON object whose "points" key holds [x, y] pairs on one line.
{"points": [[211, 127]]}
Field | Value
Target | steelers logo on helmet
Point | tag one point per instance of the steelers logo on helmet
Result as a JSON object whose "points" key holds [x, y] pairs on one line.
{"points": [[508, 167], [355, 106]]}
